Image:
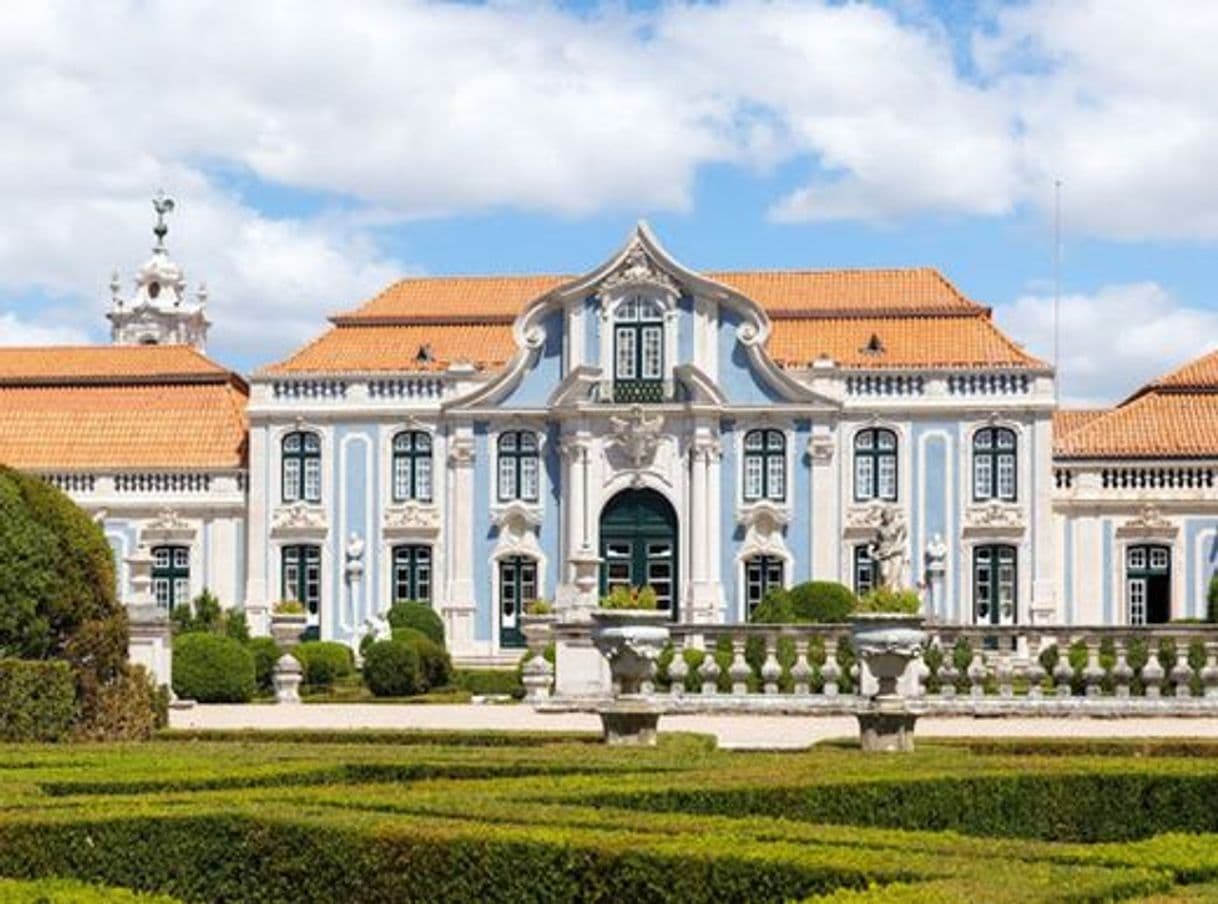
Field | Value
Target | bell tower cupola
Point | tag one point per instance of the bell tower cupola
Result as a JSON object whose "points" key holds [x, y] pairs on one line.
{"points": [[159, 312]]}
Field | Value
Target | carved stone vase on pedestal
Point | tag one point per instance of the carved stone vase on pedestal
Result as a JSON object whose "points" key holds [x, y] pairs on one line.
{"points": [[631, 640], [887, 642]]}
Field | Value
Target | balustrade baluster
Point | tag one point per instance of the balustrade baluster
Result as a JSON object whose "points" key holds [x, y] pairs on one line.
{"points": [[831, 672], [1182, 673], [708, 671], [1122, 674], [739, 671], [678, 669], [1209, 672], [976, 675], [1152, 674], [948, 674], [801, 671], [771, 671], [1063, 674], [1035, 670], [1093, 672], [1004, 672]]}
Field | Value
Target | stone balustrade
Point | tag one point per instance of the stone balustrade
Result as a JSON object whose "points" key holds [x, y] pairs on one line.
{"points": [[1169, 670]]}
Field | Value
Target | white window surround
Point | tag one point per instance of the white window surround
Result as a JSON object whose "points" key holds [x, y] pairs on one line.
{"points": [[765, 535], [788, 431], [537, 507], [901, 474], [670, 312], [518, 528], [276, 438]]}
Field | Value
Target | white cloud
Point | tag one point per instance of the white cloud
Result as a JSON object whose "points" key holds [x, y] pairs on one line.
{"points": [[15, 331], [1112, 341]]}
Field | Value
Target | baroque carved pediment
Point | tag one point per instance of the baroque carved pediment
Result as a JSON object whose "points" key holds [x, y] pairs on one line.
{"points": [[637, 270], [168, 525], [1149, 522], [637, 435], [994, 517], [864, 520], [412, 517], [299, 518], [765, 525]]}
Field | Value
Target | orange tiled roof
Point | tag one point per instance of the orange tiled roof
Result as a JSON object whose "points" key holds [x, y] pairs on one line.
{"points": [[1175, 416], [397, 348], [903, 341], [920, 317], [59, 363], [119, 408], [1067, 420]]}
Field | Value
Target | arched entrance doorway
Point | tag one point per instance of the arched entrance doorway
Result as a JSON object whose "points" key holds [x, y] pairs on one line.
{"points": [[639, 545]]}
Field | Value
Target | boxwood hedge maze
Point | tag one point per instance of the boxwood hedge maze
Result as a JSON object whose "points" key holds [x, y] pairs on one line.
{"points": [[417, 817]]}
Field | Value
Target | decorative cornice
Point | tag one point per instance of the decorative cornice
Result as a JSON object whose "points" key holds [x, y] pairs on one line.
{"points": [[637, 270], [994, 517], [1149, 522], [412, 517]]}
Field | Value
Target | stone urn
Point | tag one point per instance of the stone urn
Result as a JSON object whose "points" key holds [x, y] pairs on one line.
{"points": [[887, 642], [286, 677], [537, 674], [632, 640], [286, 627]]}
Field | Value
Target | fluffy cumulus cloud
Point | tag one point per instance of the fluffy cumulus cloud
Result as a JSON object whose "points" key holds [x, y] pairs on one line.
{"points": [[390, 111], [1114, 340]]}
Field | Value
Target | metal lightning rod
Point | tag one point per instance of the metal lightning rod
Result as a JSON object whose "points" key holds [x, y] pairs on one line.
{"points": [[1057, 289]]}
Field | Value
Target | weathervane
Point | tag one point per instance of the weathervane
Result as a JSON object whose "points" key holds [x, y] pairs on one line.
{"points": [[162, 204]]}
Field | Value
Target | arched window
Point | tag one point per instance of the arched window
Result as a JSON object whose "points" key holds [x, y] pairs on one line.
{"points": [[994, 464], [518, 466], [765, 465], [412, 466], [761, 575], [302, 467], [638, 351], [875, 465], [171, 575]]}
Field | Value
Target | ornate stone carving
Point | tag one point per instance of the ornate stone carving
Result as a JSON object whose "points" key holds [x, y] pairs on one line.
{"points": [[638, 270], [863, 518], [168, 520], [637, 435], [994, 516], [355, 558], [412, 516], [1149, 522], [518, 524], [461, 451], [299, 516], [764, 523], [707, 448], [936, 555], [820, 448]]}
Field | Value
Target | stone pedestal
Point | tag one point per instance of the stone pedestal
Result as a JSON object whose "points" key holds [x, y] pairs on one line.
{"points": [[630, 723], [286, 678], [886, 726], [579, 668]]}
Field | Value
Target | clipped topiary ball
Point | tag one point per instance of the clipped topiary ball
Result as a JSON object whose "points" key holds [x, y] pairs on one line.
{"points": [[419, 616], [822, 602], [392, 669], [324, 661], [434, 661], [212, 668]]}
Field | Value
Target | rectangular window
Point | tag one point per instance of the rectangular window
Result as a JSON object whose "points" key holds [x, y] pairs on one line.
{"points": [[653, 352], [422, 479], [983, 477], [1158, 559], [528, 479], [1137, 601], [864, 570], [761, 575], [888, 477], [507, 477], [752, 477], [312, 480], [302, 576], [1006, 477], [291, 480], [160, 587], [625, 353], [864, 477], [401, 478], [777, 467]]}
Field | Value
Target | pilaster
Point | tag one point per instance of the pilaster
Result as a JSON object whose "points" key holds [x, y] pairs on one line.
{"points": [[458, 610]]}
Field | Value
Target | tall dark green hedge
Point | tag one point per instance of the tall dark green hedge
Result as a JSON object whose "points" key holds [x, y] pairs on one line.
{"points": [[420, 616], [211, 668], [37, 700], [57, 585]]}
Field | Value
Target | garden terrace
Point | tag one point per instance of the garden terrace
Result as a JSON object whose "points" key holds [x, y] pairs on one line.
{"points": [[403, 817]]}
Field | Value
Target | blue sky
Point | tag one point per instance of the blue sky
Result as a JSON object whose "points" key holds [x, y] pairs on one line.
{"points": [[315, 160]]}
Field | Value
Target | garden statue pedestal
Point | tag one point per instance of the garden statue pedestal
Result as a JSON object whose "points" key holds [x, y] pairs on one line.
{"points": [[286, 677], [631, 640], [537, 675], [887, 642]]}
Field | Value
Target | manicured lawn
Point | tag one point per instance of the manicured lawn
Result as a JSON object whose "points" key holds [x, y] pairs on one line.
{"points": [[432, 817]]}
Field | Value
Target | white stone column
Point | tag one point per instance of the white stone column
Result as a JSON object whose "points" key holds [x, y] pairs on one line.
{"points": [[459, 608], [826, 505], [257, 594], [1045, 602], [703, 597]]}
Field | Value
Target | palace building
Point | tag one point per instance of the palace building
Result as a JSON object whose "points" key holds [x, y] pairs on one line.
{"points": [[479, 442]]}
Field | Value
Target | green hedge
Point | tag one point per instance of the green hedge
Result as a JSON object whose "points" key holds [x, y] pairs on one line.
{"points": [[392, 669], [324, 661], [266, 653], [812, 602], [420, 616], [67, 891], [435, 665], [211, 668], [489, 682], [37, 700]]}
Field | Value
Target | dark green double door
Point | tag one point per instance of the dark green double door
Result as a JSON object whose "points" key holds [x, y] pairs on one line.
{"points": [[639, 545]]}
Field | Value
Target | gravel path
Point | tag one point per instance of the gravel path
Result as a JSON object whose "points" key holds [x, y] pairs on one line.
{"points": [[739, 732]]}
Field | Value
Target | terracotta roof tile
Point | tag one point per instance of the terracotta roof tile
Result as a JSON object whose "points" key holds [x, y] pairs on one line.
{"points": [[456, 297], [90, 427], [902, 342], [103, 362], [397, 349], [1154, 425], [1201, 373], [798, 292], [1067, 420]]}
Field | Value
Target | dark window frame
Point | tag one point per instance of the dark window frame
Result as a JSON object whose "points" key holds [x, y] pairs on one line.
{"points": [[301, 448], [413, 457], [867, 447], [773, 447]]}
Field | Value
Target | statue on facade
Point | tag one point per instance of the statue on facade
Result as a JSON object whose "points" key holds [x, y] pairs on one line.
{"points": [[355, 557], [888, 548]]}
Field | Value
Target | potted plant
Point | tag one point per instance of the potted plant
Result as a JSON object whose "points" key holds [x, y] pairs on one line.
{"points": [[887, 633], [630, 630], [288, 621], [537, 626]]}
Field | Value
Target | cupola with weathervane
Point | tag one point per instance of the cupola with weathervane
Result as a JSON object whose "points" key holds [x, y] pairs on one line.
{"points": [[159, 312]]}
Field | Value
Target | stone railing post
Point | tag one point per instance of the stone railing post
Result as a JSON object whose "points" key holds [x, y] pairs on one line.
{"points": [[739, 671], [1152, 674], [708, 671], [976, 675], [830, 672], [1122, 674], [801, 671], [1182, 673], [678, 669], [1093, 672], [771, 671], [1035, 671], [1063, 674]]}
